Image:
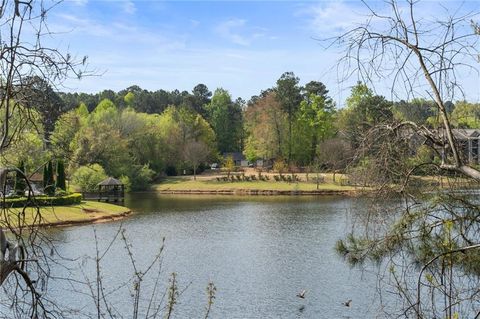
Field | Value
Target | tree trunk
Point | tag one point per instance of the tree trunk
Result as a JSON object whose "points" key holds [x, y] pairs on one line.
{"points": [[289, 138], [313, 148]]}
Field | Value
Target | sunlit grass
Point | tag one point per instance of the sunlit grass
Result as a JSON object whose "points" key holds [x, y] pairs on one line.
{"points": [[85, 211], [211, 183]]}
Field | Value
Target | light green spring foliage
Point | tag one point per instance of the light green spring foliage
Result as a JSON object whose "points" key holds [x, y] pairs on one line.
{"points": [[87, 177], [466, 115], [266, 126], [66, 128], [82, 110], [279, 165], [316, 118], [126, 183], [359, 92], [129, 98], [28, 149], [106, 112], [128, 143], [229, 164], [250, 151], [21, 120], [178, 126], [25, 139], [348, 117], [225, 117]]}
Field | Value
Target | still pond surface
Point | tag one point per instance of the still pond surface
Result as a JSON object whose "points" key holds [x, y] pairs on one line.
{"points": [[259, 252]]}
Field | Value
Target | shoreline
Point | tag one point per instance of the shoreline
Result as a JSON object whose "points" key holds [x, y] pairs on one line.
{"points": [[262, 192], [87, 212], [92, 220]]}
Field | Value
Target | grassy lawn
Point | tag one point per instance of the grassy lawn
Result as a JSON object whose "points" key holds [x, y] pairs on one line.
{"points": [[445, 181], [86, 211], [210, 183]]}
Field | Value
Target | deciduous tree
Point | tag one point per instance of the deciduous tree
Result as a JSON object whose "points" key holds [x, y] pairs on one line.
{"points": [[196, 153], [266, 126], [288, 93], [225, 117]]}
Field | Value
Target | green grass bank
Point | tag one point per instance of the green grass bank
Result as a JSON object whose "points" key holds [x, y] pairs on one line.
{"points": [[211, 185], [85, 212]]}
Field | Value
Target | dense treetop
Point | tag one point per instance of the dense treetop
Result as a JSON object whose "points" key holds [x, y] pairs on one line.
{"points": [[139, 134]]}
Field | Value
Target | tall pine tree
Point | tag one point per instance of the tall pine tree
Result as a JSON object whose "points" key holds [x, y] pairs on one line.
{"points": [[49, 183], [60, 184]]}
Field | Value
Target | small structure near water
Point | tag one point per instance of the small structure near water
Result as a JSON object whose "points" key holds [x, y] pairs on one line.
{"points": [[111, 189]]}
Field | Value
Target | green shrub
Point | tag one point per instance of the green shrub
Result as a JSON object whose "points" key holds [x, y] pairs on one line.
{"points": [[126, 183], [171, 171], [42, 200], [141, 177], [88, 177], [60, 192]]}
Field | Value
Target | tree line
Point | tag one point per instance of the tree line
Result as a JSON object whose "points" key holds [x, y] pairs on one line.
{"points": [[138, 135]]}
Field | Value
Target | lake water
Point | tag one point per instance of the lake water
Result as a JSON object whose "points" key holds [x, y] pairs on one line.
{"points": [[259, 252]]}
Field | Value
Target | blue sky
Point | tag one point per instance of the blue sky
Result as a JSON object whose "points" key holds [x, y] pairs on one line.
{"points": [[243, 47]]}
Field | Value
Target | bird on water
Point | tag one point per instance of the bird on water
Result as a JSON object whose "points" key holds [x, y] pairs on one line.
{"points": [[302, 294], [347, 303]]}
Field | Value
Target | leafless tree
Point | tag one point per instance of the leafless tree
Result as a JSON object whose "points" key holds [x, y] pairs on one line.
{"points": [[429, 240], [195, 153], [418, 56], [335, 154], [28, 72], [149, 298], [23, 56]]}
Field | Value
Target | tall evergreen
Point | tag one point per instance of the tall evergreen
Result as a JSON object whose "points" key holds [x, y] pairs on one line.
{"points": [[61, 176], [20, 183], [49, 181], [289, 95]]}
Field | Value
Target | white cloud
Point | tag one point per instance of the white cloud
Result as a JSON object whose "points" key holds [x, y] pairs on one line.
{"points": [[230, 31], [74, 24], [129, 7], [328, 18], [194, 23], [80, 3], [239, 32], [114, 32], [325, 18]]}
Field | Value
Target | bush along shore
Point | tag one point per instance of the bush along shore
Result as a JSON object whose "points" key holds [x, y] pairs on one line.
{"points": [[42, 200]]}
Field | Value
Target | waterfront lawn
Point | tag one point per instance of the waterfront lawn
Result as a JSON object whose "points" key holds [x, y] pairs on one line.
{"points": [[210, 183], [85, 211]]}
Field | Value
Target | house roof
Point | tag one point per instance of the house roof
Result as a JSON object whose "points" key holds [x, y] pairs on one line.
{"points": [[237, 156], [461, 133], [35, 177], [110, 182]]}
